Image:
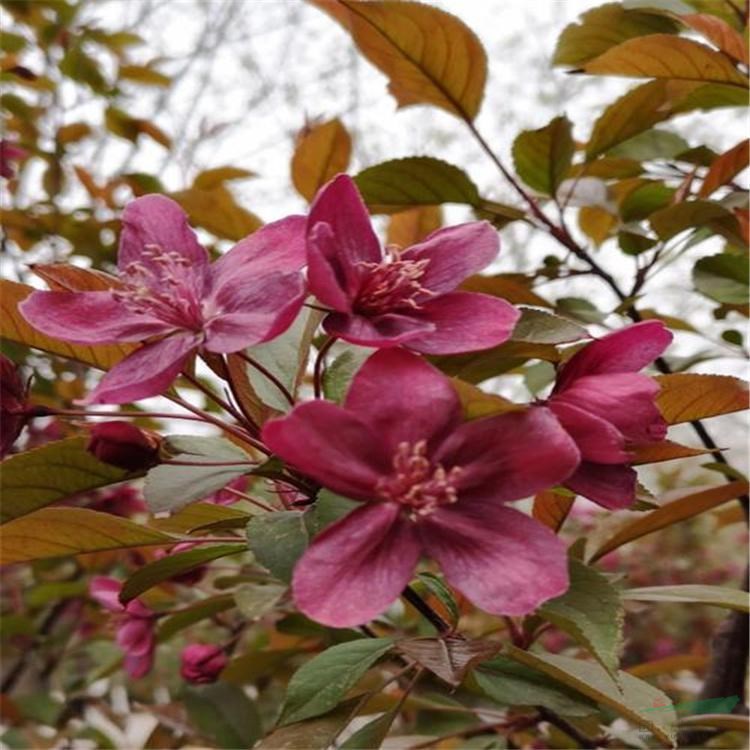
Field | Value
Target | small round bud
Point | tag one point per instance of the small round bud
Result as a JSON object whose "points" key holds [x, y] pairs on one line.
{"points": [[123, 444], [202, 663]]}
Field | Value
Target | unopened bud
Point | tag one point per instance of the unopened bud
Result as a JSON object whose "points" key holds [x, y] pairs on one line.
{"points": [[123, 444], [202, 663]]}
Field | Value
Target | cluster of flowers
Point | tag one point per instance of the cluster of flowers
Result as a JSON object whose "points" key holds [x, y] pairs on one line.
{"points": [[429, 483]]}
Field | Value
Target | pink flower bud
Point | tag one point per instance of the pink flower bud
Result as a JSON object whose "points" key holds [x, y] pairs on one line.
{"points": [[202, 663], [123, 444]]}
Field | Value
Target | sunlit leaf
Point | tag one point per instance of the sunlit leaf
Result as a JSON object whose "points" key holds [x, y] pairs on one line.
{"points": [[590, 611], [628, 696], [606, 26], [429, 56], [57, 532], [542, 157], [408, 227], [726, 167], [158, 571], [718, 596], [397, 184], [144, 74], [719, 33], [217, 211], [665, 56], [322, 682], [664, 450], [687, 396], [50, 473], [597, 223], [552, 508], [14, 327], [72, 133], [668, 514], [211, 178], [322, 151]]}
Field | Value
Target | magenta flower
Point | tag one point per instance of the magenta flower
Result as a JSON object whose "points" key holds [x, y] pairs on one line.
{"points": [[401, 297], [122, 444], [135, 625], [202, 663], [14, 408], [9, 155], [429, 484], [172, 295], [605, 405]]}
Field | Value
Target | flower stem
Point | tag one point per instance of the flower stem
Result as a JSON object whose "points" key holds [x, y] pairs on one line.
{"points": [[260, 368], [319, 366], [116, 414]]}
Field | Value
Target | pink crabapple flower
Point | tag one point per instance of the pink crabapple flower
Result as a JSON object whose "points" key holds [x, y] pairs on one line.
{"points": [[202, 663], [401, 297], [9, 154], [122, 444], [428, 483], [123, 500], [171, 294], [606, 405], [14, 407], [135, 625]]}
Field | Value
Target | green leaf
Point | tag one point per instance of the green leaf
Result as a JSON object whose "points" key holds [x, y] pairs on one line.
{"points": [[254, 600], [539, 327], [224, 714], [511, 684], [645, 200], [718, 596], [57, 532], [145, 75], [204, 609], [162, 570], [170, 487], [372, 734], [314, 734], [629, 697], [415, 181], [278, 540], [50, 473], [285, 357], [670, 221], [542, 157], [580, 308], [591, 612], [328, 508], [723, 277], [439, 589], [321, 683], [338, 375], [651, 144], [604, 27]]}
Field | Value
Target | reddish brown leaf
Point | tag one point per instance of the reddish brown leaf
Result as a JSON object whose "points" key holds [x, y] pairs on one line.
{"points": [[322, 151], [726, 167], [687, 396], [552, 508]]}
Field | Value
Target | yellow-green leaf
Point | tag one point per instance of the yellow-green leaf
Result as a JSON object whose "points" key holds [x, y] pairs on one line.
{"points": [[687, 396], [718, 596], [668, 514], [58, 532], [322, 151], [211, 178], [50, 473], [217, 211], [476, 403], [542, 157], [429, 56], [144, 74], [395, 185], [73, 132], [665, 56], [14, 327], [629, 697], [606, 26]]}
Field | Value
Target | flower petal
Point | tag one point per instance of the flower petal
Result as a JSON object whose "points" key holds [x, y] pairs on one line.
{"points": [[106, 592], [339, 204], [149, 371], [380, 331], [331, 445], [138, 666], [610, 486], [596, 438], [455, 253], [135, 636], [327, 277], [88, 318], [511, 455], [624, 399], [464, 322], [627, 350], [278, 246], [403, 398], [157, 220], [357, 567], [502, 560], [253, 309]]}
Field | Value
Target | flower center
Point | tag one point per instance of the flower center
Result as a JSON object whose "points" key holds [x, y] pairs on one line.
{"points": [[416, 483], [392, 284], [166, 288]]}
